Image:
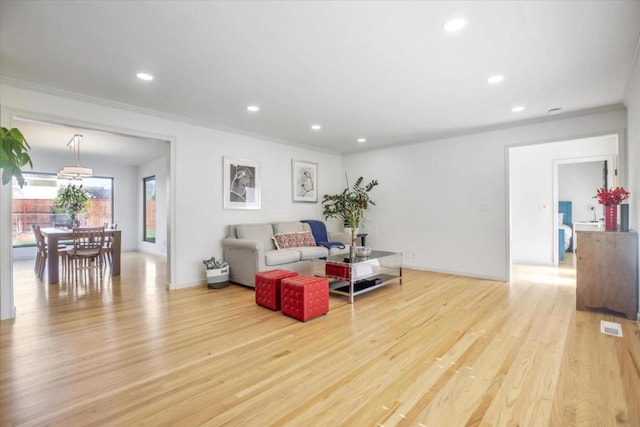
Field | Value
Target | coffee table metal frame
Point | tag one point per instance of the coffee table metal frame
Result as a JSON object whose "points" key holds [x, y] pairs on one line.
{"points": [[361, 274]]}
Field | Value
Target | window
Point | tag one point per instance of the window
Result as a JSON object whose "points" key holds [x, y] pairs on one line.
{"points": [[149, 209], [33, 205]]}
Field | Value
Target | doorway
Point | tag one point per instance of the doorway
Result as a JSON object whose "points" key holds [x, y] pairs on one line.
{"points": [[576, 182], [533, 193], [120, 156]]}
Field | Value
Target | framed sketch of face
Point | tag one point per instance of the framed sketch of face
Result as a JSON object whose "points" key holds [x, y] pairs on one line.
{"points": [[241, 184], [304, 181]]}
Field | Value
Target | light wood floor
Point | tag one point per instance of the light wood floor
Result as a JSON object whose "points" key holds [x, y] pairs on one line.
{"points": [[439, 350]]}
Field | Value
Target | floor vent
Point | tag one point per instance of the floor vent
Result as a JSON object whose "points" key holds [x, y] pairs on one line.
{"points": [[611, 328]]}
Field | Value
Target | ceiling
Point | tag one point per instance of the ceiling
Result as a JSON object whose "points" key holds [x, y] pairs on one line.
{"points": [[50, 138], [385, 71]]}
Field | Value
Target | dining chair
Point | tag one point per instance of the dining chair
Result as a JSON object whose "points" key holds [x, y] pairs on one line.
{"points": [[42, 253], [107, 250], [86, 252]]}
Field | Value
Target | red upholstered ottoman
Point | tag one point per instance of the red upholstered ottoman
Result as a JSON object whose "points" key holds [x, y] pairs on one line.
{"points": [[268, 287], [305, 297]]}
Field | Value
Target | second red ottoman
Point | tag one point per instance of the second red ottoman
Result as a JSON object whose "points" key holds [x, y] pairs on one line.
{"points": [[268, 287], [305, 297]]}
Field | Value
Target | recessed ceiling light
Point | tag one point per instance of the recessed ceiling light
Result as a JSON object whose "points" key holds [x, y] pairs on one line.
{"points": [[495, 79], [454, 25], [144, 76], [253, 108], [555, 110], [362, 140], [316, 127], [518, 109]]}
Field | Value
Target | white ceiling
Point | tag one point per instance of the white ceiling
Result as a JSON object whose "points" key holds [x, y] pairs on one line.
{"points": [[382, 70], [49, 138]]}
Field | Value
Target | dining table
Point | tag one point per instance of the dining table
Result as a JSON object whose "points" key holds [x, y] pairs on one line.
{"points": [[55, 235]]}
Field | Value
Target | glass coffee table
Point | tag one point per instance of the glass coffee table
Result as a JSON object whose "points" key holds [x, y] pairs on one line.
{"points": [[356, 275]]}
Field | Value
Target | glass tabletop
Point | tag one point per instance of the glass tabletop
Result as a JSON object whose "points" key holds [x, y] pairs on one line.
{"points": [[346, 259]]}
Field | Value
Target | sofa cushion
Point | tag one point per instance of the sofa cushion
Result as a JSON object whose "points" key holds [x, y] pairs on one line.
{"points": [[284, 256], [312, 252], [261, 232], [287, 227], [286, 240]]}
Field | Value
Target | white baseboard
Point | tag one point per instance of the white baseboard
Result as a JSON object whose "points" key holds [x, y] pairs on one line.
{"points": [[150, 252], [458, 273]]}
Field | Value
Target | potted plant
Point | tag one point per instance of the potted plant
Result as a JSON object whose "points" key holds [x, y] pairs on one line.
{"points": [[13, 155], [349, 206], [74, 200]]}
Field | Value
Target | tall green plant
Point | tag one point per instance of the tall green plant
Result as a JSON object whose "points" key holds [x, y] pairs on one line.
{"points": [[349, 206], [74, 199], [13, 155]]}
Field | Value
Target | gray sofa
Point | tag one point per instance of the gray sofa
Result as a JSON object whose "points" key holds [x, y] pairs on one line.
{"points": [[250, 248]]}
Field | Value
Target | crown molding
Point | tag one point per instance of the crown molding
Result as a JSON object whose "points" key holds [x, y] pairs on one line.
{"points": [[21, 84], [424, 139], [497, 127]]}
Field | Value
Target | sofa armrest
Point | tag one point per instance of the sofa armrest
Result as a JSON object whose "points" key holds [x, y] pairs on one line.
{"points": [[243, 244], [245, 258], [340, 236]]}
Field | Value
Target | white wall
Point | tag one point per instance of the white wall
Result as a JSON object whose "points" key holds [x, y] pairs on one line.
{"points": [[533, 207], [157, 168], [197, 220], [445, 201], [577, 183], [632, 101]]}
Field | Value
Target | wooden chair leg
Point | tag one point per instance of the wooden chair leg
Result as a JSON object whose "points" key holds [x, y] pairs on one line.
{"points": [[36, 267], [41, 265]]}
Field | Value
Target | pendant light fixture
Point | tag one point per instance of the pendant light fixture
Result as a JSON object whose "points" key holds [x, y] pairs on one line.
{"points": [[75, 172]]}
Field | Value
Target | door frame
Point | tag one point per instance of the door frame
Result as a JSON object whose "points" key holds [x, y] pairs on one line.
{"points": [[7, 118]]}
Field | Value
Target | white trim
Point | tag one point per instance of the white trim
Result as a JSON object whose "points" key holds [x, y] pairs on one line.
{"points": [[622, 178], [555, 181], [7, 307], [172, 223], [422, 139], [455, 273], [497, 127], [154, 113], [507, 223], [151, 252]]}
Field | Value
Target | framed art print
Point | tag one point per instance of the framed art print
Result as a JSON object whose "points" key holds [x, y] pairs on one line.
{"points": [[241, 184], [304, 181]]}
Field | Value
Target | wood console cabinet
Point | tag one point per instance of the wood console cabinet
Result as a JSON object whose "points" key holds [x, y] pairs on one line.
{"points": [[607, 273]]}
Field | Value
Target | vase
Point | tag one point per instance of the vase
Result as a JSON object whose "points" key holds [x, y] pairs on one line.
{"points": [[611, 218], [351, 230], [624, 217]]}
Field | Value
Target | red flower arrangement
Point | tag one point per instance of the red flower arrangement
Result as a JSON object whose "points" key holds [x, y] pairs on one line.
{"points": [[612, 197]]}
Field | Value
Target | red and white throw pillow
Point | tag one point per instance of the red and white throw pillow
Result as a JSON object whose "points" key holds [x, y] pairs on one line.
{"points": [[286, 240], [306, 238], [294, 239]]}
